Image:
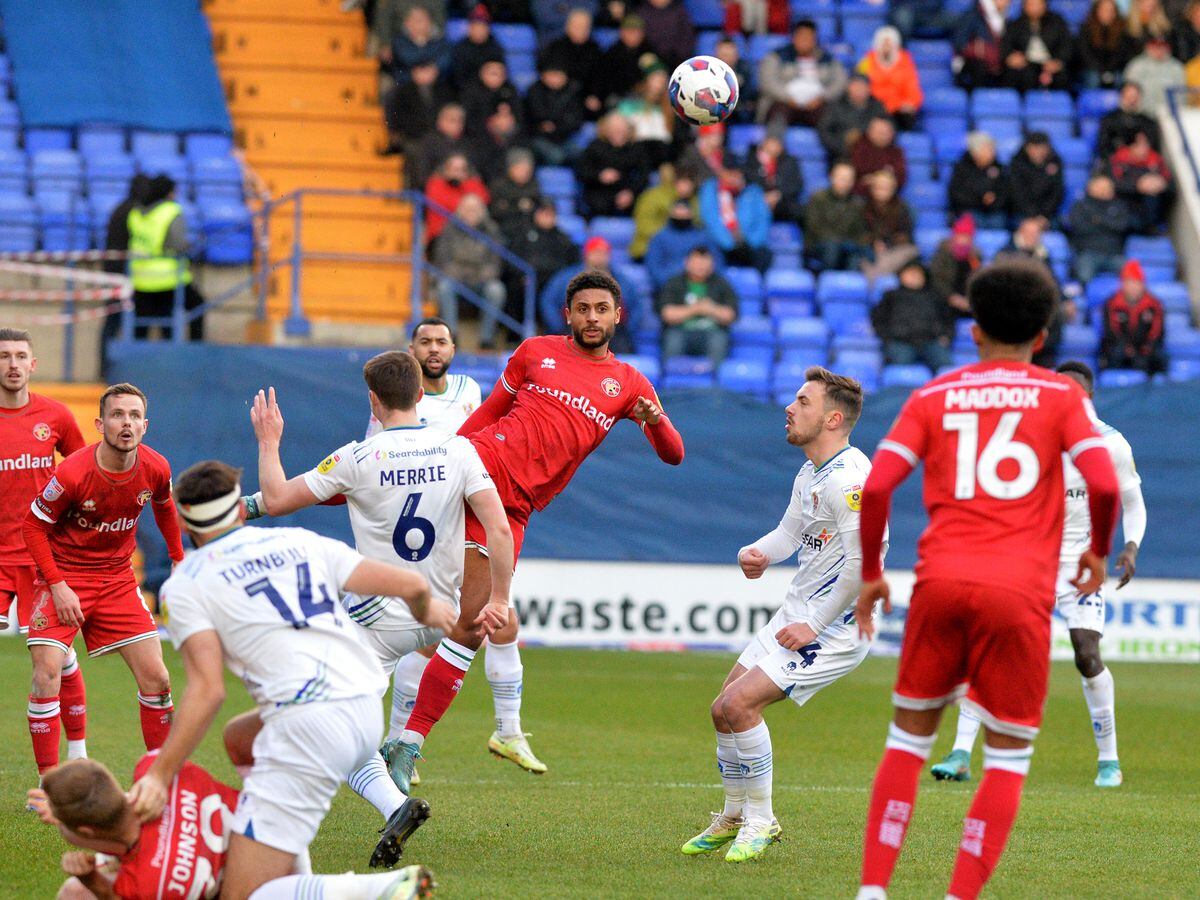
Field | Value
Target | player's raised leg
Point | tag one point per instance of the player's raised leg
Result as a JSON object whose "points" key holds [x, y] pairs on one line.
{"points": [[505, 674], [145, 661], [957, 764], [43, 712], [1098, 692]]}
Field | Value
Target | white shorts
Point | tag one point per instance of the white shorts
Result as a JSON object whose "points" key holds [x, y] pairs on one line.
{"points": [[1079, 612], [801, 673], [301, 757], [392, 646]]}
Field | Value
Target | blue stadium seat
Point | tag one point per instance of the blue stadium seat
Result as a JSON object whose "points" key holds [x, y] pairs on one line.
{"points": [[846, 317], [785, 236], [1158, 274], [111, 168], [930, 78], [881, 286], [789, 284], [1057, 130], [860, 359], [841, 287], [917, 147], [1049, 105], [707, 40], [753, 331], [1078, 340], [1074, 151], [228, 234], [456, 30], [859, 31], [18, 224], [928, 219], [605, 37], [1057, 245], [66, 222], [746, 376], [1183, 343], [154, 143], [1151, 251], [857, 341], [515, 38], [788, 376], [990, 241], [765, 355], [816, 177], [574, 227], [926, 195], [706, 13], [647, 365], [557, 181], [1173, 294], [1111, 378], [964, 356], [617, 231], [762, 44], [203, 145], [1096, 103], [95, 140], [811, 333], [39, 139], [1177, 321], [687, 372], [1100, 288], [995, 103], [790, 309], [14, 172], [211, 171], [951, 101], [931, 53], [60, 170], [927, 239], [747, 284], [1184, 369], [949, 145], [803, 143], [867, 376], [739, 138], [905, 376], [999, 127]]}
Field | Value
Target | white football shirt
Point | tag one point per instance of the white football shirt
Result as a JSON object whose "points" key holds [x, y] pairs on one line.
{"points": [[271, 595], [405, 488], [822, 521], [445, 411], [1077, 523]]}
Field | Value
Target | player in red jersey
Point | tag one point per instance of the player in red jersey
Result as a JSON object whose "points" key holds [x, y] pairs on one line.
{"points": [[992, 437], [80, 532], [555, 403], [32, 427]]}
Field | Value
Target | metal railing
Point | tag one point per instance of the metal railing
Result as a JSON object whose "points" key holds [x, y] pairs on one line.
{"points": [[297, 323], [1176, 96]]}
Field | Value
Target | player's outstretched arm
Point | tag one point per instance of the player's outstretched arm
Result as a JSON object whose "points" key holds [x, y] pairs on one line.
{"points": [[491, 410], [202, 697], [490, 511], [662, 435], [373, 578], [280, 494]]}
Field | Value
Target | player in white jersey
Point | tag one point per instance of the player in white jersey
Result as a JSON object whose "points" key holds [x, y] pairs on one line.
{"points": [[265, 602], [406, 489], [812, 640], [1084, 614]]}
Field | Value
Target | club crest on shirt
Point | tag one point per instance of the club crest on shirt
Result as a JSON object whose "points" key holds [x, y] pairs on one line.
{"points": [[853, 496], [42, 431], [816, 502], [53, 490], [328, 463], [37, 619], [143, 497], [611, 386], [88, 505]]}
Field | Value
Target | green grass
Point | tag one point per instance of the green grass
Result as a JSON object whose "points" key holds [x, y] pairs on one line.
{"points": [[632, 776]]}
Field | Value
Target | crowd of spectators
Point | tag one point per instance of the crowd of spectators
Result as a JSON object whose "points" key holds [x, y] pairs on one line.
{"points": [[473, 141]]}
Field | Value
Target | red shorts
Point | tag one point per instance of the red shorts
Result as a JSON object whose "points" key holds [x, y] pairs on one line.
{"points": [[114, 614], [993, 639], [517, 504], [17, 582]]}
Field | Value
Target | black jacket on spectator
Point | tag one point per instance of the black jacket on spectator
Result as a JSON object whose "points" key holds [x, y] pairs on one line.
{"points": [[513, 204], [431, 150], [416, 108], [968, 184], [479, 102], [669, 31], [1118, 127], [547, 250], [563, 109], [1185, 42], [787, 179], [841, 117], [629, 160], [580, 61], [1108, 57], [1099, 226], [467, 57], [1038, 190], [619, 70], [913, 316], [487, 153], [1055, 34], [675, 292]]}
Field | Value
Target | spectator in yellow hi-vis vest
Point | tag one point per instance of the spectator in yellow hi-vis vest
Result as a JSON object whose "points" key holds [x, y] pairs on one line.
{"points": [[158, 247]]}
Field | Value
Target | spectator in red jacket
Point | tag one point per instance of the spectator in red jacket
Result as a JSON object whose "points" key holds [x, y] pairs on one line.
{"points": [[1133, 326], [894, 79], [1143, 181], [453, 180], [876, 151]]}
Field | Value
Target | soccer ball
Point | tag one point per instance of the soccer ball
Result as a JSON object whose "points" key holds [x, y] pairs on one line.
{"points": [[703, 90]]}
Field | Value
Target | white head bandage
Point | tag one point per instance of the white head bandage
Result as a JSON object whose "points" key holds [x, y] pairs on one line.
{"points": [[212, 515]]}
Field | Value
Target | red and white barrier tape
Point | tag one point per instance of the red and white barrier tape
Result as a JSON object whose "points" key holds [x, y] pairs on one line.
{"points": [[112, 290], [82, 315]]}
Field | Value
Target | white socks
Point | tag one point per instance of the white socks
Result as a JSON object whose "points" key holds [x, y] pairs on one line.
{"points": [[406, 678], [373, 783], [968, 728], [1015, 759], [1101, 704], [502, 663], [77, 749], [730, 768], [919, 745], [754, 755], [326, 887]]}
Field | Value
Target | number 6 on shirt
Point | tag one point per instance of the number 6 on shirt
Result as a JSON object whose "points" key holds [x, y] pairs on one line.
{"points": [[407, 522]]}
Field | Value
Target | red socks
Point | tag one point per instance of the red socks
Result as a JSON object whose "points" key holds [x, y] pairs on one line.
{"points": [[156, 711], [989, 820], [44, 729], [73, 696], [440, 683], [892, 800]]}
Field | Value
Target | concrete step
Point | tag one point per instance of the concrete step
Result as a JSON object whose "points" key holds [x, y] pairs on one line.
{"points": [[275, 41]]}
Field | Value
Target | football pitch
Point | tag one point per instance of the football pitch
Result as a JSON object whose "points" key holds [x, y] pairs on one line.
{"points": [[632, 776]]}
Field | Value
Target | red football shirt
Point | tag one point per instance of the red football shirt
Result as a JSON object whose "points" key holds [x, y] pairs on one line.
{"points": [[565, 402], [181, 853], [28, 438], [94, 513], [992, 437]]}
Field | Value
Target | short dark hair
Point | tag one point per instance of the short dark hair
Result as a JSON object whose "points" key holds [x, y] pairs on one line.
{"points": [[841, 391], [15, 334], [1012, 301], [1080, 368], [206, 480], [83, 792], [433, 320], [806, 23], [593, 279], [124, 389], [395, 378], [702, 249]]}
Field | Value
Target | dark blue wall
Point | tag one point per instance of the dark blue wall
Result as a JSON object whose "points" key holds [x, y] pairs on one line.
{"points": [[624, 503]]}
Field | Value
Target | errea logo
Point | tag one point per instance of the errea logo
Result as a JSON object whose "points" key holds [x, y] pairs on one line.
{"points": [[548, 363]]}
